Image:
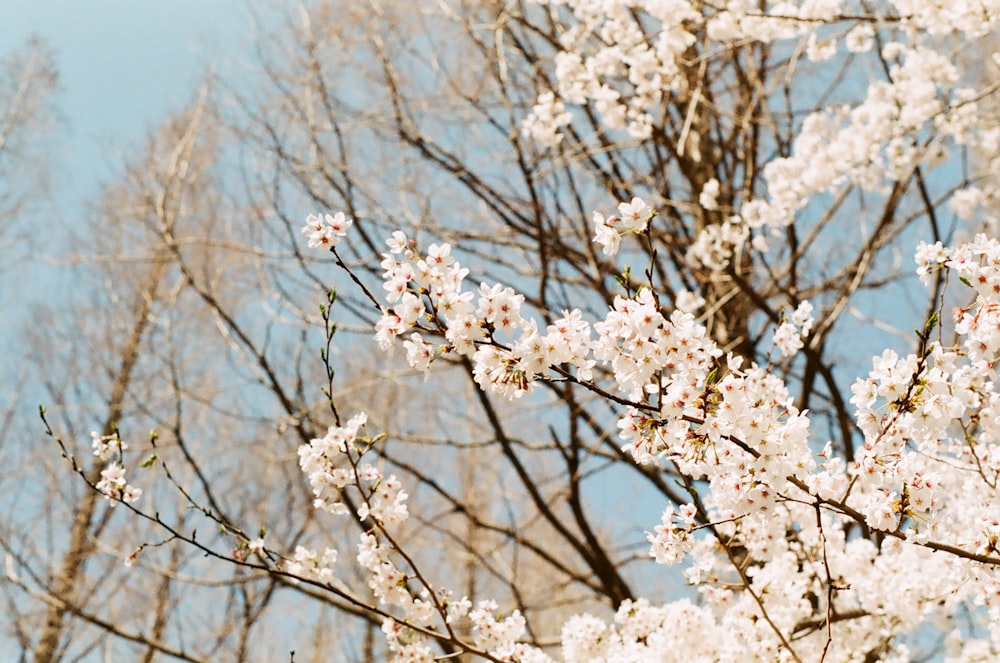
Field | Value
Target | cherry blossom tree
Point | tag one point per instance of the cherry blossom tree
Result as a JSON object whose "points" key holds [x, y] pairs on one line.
{"points": [[668, 257]]}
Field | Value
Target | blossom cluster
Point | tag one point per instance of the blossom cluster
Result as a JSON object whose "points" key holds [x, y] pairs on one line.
{"points": [[734, 427], [322, 460], [334, 465], [113, 484], [312, 565], [908, 407], [426, 293], [789, 334], [633, 218], [107, 447], [326, 230], [623, 59]]}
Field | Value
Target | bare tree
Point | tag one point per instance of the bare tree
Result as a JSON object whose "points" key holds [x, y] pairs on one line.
{"points": [[28, 81], [130, 335]]}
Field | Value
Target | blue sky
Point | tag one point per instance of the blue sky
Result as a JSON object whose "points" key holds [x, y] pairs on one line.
{"points": [[123, 66]]}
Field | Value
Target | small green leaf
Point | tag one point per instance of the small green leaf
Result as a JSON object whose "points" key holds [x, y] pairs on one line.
{"points": [[149, 461], [712, 376], [625, 278]]}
